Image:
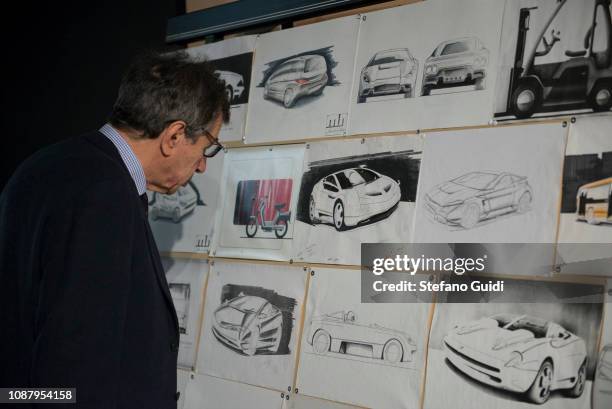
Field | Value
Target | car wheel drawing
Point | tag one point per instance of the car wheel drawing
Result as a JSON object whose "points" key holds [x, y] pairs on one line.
{"points": [[578, 388], [321, 342], [600, 98], [312, 211], [524, 203], [339, 216], [289, 98], [526, 99], [392, 352], [471, 216], [539, 392]]}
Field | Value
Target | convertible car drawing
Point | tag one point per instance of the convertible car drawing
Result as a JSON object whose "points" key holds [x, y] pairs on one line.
{"points": [[340, 332], [478, 196], [352, 196], [296, 78], [457, 62], [519, 353], [388, 72], [234, 84], [602, 385], [174, 206], [249, 325]]}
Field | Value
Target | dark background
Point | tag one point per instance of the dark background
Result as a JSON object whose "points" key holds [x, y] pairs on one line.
{"points": [[62, 63]]}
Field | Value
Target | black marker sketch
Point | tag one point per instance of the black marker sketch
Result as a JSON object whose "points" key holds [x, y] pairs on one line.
{"points": [[181, 293], [174, 206], [582, 80], [602, 385], [254, 320], [235, 70], [478, 196], [388, 72], [339, 332], [455, 63], [520, 354], [234, 84]]}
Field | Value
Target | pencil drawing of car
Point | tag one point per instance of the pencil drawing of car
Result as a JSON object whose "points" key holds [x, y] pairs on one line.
{"points": [[520, 354], [478, 196], [340, 332], [296, 78], [602, 385], [352, 196], [388, 72], [458, 62], [234, 84], [248, 324], [174, 206]]}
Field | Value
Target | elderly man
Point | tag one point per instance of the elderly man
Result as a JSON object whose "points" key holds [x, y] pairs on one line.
{"points": [[84, 302]]}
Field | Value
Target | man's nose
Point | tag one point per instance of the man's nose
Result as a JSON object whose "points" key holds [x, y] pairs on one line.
{"points": [[201, 166]]}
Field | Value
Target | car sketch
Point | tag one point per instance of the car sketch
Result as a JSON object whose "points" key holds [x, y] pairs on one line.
{"points": [[388, 72], [249, 324], [295, 78], [351, 196], [234, 84], [602, 385], [478, 196], [174, 206], [339, 332], [594, 202], [462, 61]]}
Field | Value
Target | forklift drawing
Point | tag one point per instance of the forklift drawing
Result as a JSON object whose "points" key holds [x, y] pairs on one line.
{"points": [[582, 81]]}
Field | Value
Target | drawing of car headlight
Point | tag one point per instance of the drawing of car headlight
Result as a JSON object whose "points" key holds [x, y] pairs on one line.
{"points": [[365, 77], [516, 358], [431, 69]]}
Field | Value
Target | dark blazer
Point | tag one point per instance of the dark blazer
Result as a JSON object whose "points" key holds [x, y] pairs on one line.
{"points": [[84, 301]]}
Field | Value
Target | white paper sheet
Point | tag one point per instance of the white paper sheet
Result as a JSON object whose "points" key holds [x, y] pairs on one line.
{"points": [[602, 383], [304, 402], [379, 209], [182, 379], [350, 352], [491, 185], [302, 82], [393, 88], [256, 181], [251, 322], [232, 60]]}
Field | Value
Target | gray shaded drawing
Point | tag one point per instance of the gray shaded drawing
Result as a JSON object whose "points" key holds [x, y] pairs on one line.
{"points": [[388, 72], [352, 196], [296, 78], [478, 196], [602, 385], [174, 206], [454, 63], [520, 354], [234, 84], [339, 332], [181, 294]]}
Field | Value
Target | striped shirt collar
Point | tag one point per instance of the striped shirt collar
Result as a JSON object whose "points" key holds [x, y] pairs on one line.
{"points": [[129, 158]]}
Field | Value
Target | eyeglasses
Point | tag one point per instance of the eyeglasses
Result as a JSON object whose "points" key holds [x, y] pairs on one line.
{"points": [[214, 147]]}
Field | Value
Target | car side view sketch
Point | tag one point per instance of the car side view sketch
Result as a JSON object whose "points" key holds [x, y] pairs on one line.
{"points": [[457, 62], [234, 84], [352, 196], [279, 224], [174, 206], [248, 324], [296, 78], [388, 72], [602, 385], [341, 333], [478, 196], [519, 353], [583, 79], [594, 202]]}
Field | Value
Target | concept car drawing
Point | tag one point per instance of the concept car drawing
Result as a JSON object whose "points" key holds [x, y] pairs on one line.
{"points": [[594, 202], [477, 196], [388, 72], [454, 63], [519, 353], [234, 84], [351, 196], [174, 206], [340, 332], [295, 78], [248, 324], [602, 385]]}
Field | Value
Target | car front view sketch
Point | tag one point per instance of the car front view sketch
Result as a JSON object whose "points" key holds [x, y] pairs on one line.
{"points": [[478, 196], [352, 196], [388, 72], [341, 333], [296, 78], [249, 324], [521, 354], [174, 206], [234, 84], [455, 63]]}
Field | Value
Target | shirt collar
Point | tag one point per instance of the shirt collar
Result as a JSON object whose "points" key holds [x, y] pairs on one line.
{"points": [[127, 155]]}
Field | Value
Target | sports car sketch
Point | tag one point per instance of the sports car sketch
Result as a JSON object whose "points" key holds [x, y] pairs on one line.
{"points": [[339, 332], [174, 206], [478, 196], [388, 72], [352, 196], [295, 78], [519, 353], [234, 84], [602, 385], [458, 62], [249, 324]]}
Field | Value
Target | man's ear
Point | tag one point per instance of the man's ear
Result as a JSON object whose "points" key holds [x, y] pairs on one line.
{"points": [[171, 137]]}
